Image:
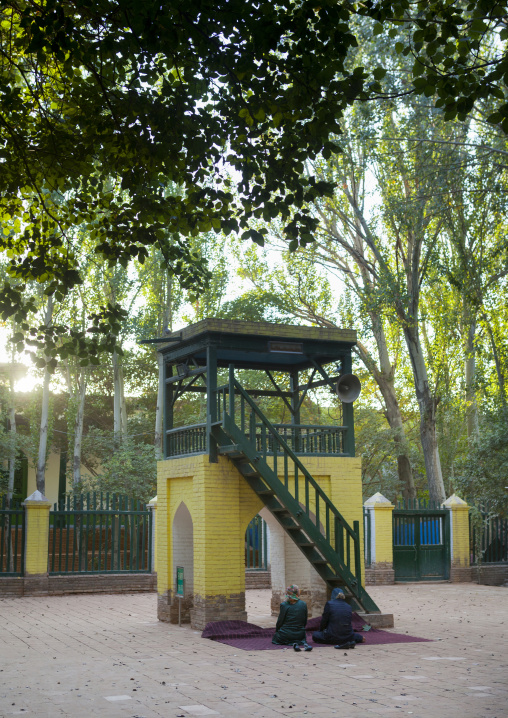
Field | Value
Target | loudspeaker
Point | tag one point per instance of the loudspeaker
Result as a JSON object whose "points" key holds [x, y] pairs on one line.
{"points": [[348, 388]]}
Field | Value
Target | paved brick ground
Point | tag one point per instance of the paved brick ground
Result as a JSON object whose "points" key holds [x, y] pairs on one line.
{"points": [[95, 655]]}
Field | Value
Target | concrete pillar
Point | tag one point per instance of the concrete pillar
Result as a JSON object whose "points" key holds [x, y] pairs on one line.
{"points": [[460, 559], [152, 505], [381, 540], [37, 508]]}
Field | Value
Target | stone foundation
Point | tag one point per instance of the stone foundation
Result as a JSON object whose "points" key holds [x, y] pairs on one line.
{"points": [[379, 574], [44, 585], [493, 574], [217, 608], [460, 574], [315, 599], [257, 580], [378, 620]]}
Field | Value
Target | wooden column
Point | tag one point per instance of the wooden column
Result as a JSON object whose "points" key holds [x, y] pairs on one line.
{"points": [[348, 418], [168, 407], [211, 400], [295, 409]]}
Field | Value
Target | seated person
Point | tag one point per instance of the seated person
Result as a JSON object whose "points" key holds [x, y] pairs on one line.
{"points": [[291, 622], [336, 626]]}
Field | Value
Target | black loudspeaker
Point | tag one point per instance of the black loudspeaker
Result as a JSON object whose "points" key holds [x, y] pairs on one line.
{"points": [[348, 388]]}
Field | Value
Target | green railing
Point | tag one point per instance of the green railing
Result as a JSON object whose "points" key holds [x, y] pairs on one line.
{"points": [[100, 533], [12, 538], [367, 533], [186, 440], [256, 545], [298, 490], [303, 439]]}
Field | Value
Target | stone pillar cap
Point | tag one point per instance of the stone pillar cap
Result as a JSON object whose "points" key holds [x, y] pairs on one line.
{"points": [[153, 502], [377, 498], [454, 500], [37, 498]]}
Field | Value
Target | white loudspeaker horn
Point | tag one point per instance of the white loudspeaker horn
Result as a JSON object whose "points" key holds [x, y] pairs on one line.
{"points": [[348, 388]]}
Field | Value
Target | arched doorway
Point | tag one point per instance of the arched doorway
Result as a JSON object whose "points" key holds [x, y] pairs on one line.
{"points": [[183, 556]]}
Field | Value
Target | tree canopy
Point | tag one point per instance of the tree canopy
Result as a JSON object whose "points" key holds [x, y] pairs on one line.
{"points": [[104, 103]]}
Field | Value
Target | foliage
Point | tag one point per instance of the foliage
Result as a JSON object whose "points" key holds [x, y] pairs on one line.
{"points": [[119, 120], [129, 469], [482, 477]]}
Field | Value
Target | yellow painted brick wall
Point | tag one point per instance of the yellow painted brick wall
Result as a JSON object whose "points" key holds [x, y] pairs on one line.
{"points": [[221, 504], [383, 524], [460, 534], [37, 535]]}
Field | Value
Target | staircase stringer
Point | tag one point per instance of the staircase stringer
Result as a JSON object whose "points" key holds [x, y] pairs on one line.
{"points": [[333, 563]]}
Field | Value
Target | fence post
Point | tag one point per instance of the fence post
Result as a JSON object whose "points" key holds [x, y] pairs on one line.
{"points": [[381, 547], [460, 569], [152, 505], [37, 508]]}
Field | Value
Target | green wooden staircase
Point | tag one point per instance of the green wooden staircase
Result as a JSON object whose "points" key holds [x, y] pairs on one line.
{"points": [[301, 507]]}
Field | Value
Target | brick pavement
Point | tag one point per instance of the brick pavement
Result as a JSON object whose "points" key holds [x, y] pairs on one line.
{"points": [[105, 655]]}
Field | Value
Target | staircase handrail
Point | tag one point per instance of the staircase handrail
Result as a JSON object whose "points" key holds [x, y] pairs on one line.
{"points": [[235, 384]]}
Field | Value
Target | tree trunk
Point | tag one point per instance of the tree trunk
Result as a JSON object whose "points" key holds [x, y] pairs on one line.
{"points": [[123, 404], [78, 433], [159, 408], [117, 415], [427, 404], [384, 380], [470, 376], [12, 447], [43, 434]]}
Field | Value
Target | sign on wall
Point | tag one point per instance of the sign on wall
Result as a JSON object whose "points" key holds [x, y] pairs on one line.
{"points": [[179, 581]]}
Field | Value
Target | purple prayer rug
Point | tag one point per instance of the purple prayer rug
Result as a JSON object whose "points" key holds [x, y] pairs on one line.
{"points": [[250, 637]]}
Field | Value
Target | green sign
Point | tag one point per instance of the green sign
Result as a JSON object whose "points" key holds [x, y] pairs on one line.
{"points": [[179, 580]]}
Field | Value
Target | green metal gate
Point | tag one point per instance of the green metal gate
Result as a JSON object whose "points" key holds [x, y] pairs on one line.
{"points": [[421, 542]]}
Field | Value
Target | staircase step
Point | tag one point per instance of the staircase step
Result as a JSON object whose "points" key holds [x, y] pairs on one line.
{"points": [[231, 449], [280, 501]]}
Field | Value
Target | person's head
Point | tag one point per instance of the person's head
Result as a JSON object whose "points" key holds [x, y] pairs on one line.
{"points": [[292, 593], [338, 593]]}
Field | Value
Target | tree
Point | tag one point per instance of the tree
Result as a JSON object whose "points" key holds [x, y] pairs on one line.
{"points": [[105, 101]]}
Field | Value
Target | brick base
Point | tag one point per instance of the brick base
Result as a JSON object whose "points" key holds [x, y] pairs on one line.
{"points": [[257, 580], [379, 574], [490, 574], [460, 574], [45, 585], [172, 609], [217, 608], [315, 599]]}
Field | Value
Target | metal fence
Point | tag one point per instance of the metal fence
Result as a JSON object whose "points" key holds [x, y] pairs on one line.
{"points": [[100, 533], [488, 541], [12, 538], [256, 545], [367, 537]]}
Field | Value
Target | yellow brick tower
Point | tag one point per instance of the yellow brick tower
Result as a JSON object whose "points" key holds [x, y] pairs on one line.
{"points": [[218, 474]]}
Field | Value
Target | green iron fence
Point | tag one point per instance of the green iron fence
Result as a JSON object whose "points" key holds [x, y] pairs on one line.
{"points": [[488, 541], [12, 538], [256, 545], [100, 533], [367, 534]]}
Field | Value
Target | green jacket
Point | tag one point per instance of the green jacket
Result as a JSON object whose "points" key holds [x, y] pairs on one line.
{"points": [[291, 623]]}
